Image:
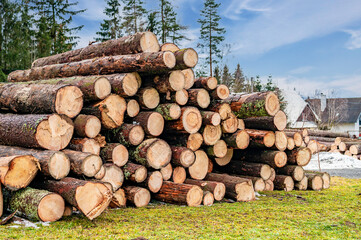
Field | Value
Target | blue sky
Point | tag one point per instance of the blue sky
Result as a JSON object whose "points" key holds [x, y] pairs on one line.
{"points": [[303, 44]]}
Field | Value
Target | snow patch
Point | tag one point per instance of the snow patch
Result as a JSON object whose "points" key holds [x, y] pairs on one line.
{"points": [[332, 161], [26, 223]]}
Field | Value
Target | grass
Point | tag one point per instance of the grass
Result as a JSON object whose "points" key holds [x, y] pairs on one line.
{"points": [[330, 214]]}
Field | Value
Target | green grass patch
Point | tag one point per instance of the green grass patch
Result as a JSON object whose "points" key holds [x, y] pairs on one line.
{"points": [[329, 214]]}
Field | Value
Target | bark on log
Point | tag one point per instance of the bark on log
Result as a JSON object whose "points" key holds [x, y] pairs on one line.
{"points": [[133, 108], [115, 153], [110, 111], [189, 78], [217, 188], [179, 175], [167, 172], [220, 93], [275, 123], [218, 150], [283, 182], [190, 121], [198, 97], [91, 198], [151, 122], [182, 156], [137, 196], [322, 139], [210, 118], [294, 171], [325, 177], [37, 205], [113, 175], [135, 172], [211, 134], [137, 43], [127, 135], [226, 159], [208, 83], [237, 140], [185, 58], [198, 170], [237, 188], [83, 163], [153, 152], [52, 163], [52, 132], [321, 133], [247, 169], [260, 138], [270, 157], [169, 111], [180, 194], [224, 109], [155, 62], [85, 145], [299, 156], [302, 185], [41, 98], [87, 126]]}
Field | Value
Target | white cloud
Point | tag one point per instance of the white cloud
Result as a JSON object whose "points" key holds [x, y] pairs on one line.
{"points": [[94, 9], [355, 39], [236, 8]]}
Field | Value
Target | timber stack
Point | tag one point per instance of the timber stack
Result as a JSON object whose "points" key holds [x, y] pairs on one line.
{"points": [[125, 121]]}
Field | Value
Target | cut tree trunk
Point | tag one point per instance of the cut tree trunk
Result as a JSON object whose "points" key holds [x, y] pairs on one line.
{"points": [[152, 122], [179, 97], [256, 104], [119, 200], [247, 169], [281, 141], [124, 84], [224, 109], [270, 157], [338, 140], [113, 175], [153, 182], [208, 199], [38, 205], [169, 47], [176, 193], [294, 171], [91, 198], [190, 121], [217, 188], [220, 93], [41, 98], [52, 132], [237, 188], [210, 118], [276, 123], [302, 185], [87, 126], [241, 125], [115, 153], [133, 108], [297, 137], [52, 163], [182, 156], [148, 97], [85, 145], [153, 152], [83, 163], [315, 182], [198, 170], [179, 175], [169, 82], [230, 125], [100, 174], [290, 143], [169, 111], [283, 182], [208, 83], [226, 159], [135, 172], [321, 133], [321, 139], [325, 177], [269, 186], [260, 138], [237, 140], [259, 184], [167, 172], [186, 58], [218, 150], [299, 156], [355, 148], [273, 175], [127, 134], [211, 134], [189, 78], [18, 171], [198, 97], [137, 196], [111, 111], [139, 42], [192, 141]]}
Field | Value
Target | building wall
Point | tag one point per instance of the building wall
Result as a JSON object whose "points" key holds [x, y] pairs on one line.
{"points": [[351, 128]]}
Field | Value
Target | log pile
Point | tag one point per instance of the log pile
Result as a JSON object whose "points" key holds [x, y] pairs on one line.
{"points": [[123, 122]]}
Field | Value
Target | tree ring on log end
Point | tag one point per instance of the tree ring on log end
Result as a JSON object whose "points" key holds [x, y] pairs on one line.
{"points": [[130, 85], [91, 165], [155, 124], [133, 108], [280, 120], [140, 174], [220, 149], [198, 170], [102, 88], [289, 183], [176, 80], [190, 57], [142, 197], [159, 154], [222, 91], [189, 78], [195, 141], [151, 98], [219, 191], [192, 119], [281, 141], [298, 173], [179, 175], [51, 207], [242, 139], [169, 59], [303, 156], [265, 172], [203, 98], [181, 97], [208, 199], [272, 104], [113, 108], [187, 158], [59, 165], [136, 135], [226, 159], [149, 42], [92, 127], [245, 191], [175, 111], [120, 155], [69, 101], [155, 181], [269, 139], [259, 185], [194, 196], [280, 159]]}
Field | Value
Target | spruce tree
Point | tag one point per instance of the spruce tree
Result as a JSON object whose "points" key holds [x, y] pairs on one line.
{"points": [[153, 24], [239, 80], [227, 77], [110, 28], [212, 35], [217, 73], [133, 20]]}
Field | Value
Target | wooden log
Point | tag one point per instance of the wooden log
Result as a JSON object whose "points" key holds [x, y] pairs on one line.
{"points": [[179, 175], [37, 205], [210, 118], [179, 97], [192, 141], [91, 198], [342, 146], [198, 97], [135, 172], [110, 111], [210, 166], [260, 138], [139, 42], [148, 98], [18, 171], [294, 171], [169, 47], [208, 83], [211, 134], [276, 123], [83, 163], [198, 170], [306, 139], [127, 135], [115, 153], [220, 93], [329, 134], [259, 184], [52, 132], [269, 186], [256, 104], [169, 82], [303, 132], [321, 139], [270, 157], [299, 156], [217, 188], [85, 145], [226, 159], [315, 182], [297, 137], [290, 143], [247, 169], [167, 172], [123, 84], [237, 188], [325, 177], [176, 193], [190, 121], [302, 185], [119, 200], [153, 182], [347, 153], [185, 58], [273, 174], [283, 182], [241, 125], [182, 156], [218, 150], [41, 98], [281, 141], [189, 78], [54, 164], [151, 122], [100, 174], [68, 211], [87, 126], [237, 140], [224, 109], [355, 148], [230, 125], [208, 199], [169, 111], [338, 140], [153, 152], [137, 196], [133, 108], [113, 175]]}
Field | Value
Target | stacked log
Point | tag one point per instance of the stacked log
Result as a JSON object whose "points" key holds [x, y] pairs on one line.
{"points": [[122, 122]]}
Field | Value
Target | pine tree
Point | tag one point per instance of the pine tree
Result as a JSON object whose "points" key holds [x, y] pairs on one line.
{"points": [[239, 80], [153, 23], [217, 73], [227, 77], [133, 12], [211, 33], [257, 85], [269, 85], [110, 28]]}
